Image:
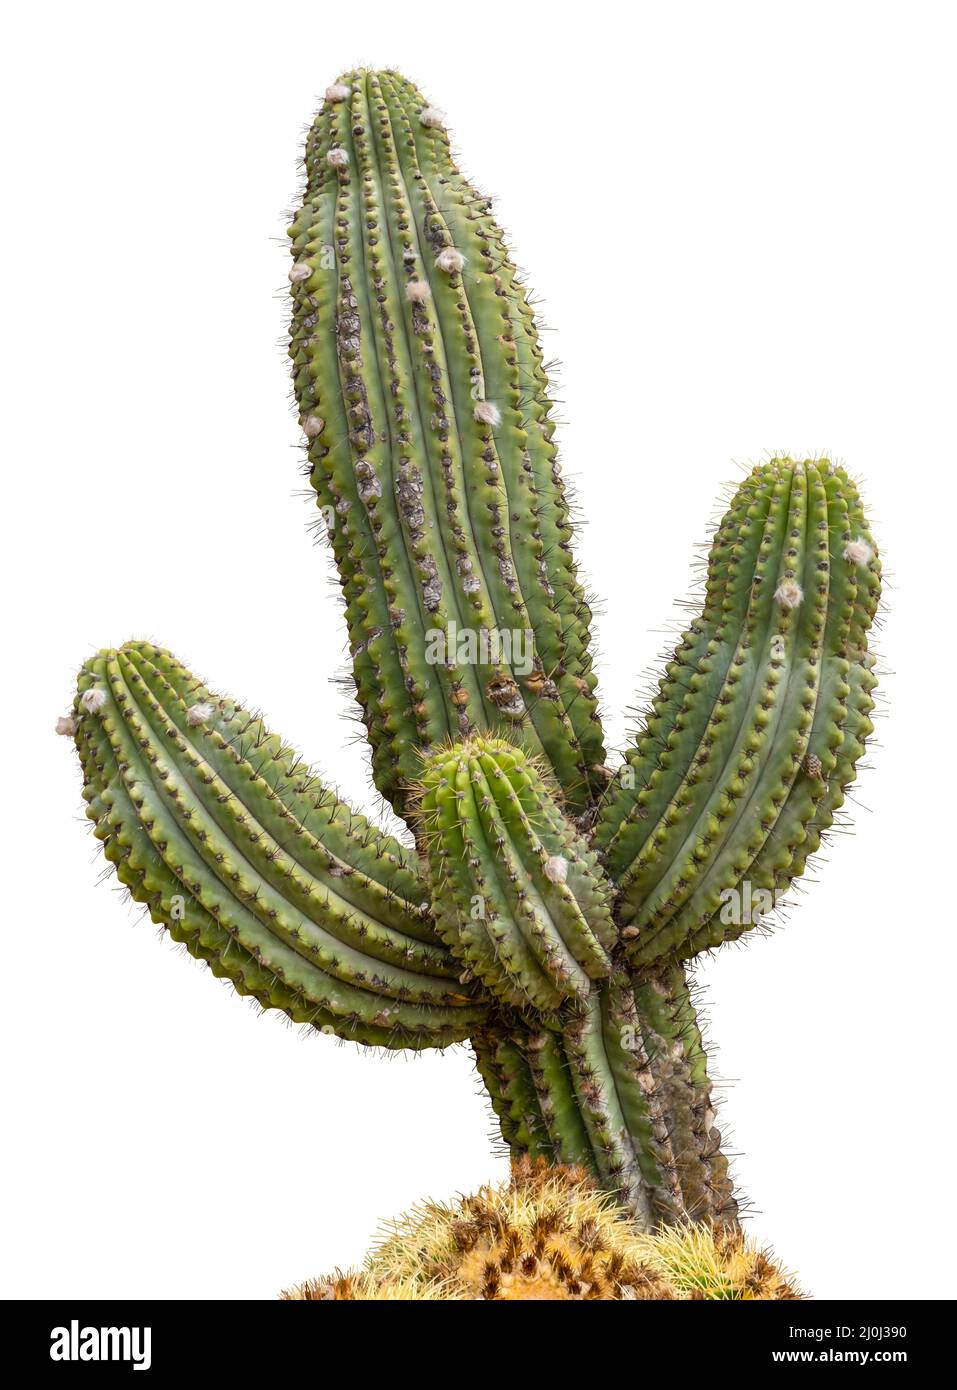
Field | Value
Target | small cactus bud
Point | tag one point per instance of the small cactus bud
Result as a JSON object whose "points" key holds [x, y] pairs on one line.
{"points": [[312, 426], [338, 92], [338, 158], [66, 725], [93, 700], [532, 946], [450, 259], [299, 272], [431, 116], [417, 291]]}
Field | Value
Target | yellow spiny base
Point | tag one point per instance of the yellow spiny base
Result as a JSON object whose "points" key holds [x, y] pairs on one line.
{"points": [[551, 1234]]}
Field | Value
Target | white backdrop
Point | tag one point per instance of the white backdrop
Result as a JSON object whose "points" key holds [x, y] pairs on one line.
{"points": [[741, 221]]}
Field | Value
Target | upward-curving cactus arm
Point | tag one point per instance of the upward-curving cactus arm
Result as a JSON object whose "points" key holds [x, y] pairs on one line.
{"points": [[760, 719]]}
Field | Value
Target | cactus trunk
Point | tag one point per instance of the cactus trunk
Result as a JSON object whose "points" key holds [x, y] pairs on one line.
{"points": [[622, 1090]]}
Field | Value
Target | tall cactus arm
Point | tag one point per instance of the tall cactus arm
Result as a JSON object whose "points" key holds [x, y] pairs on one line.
{"points": [[423, 396], [258, 869], [760, 719]]}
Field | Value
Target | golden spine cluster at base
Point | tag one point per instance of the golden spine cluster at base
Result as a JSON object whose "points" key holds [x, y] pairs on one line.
{"points": [[551, 1234]]}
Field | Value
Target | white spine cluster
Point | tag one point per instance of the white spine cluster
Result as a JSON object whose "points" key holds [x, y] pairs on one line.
{"points": [[789, 593], [93, 700], [302, 270], [450, 259], [417, 291], [556, 869], [488, 413], [858, 552], [337, 92], [338, 158], [199, 714], [431, 116], [66, 725]]}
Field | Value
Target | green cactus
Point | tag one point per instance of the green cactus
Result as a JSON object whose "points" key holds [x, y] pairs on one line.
{"points": [[550, 908]]}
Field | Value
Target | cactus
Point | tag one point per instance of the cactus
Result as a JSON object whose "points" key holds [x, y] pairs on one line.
{"points": [[551, 909]]}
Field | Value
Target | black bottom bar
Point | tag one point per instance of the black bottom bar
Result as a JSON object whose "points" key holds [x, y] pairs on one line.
{"points": [[297, 1342]]}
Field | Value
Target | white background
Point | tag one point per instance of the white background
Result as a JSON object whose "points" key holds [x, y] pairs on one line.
{"points": [[741, 221]]}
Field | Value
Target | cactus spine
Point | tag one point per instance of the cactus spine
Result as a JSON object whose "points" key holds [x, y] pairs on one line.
{"points": [[551, 909]]}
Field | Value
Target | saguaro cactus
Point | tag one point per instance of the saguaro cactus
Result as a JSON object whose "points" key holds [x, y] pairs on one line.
{"points": [[551, 907]]}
